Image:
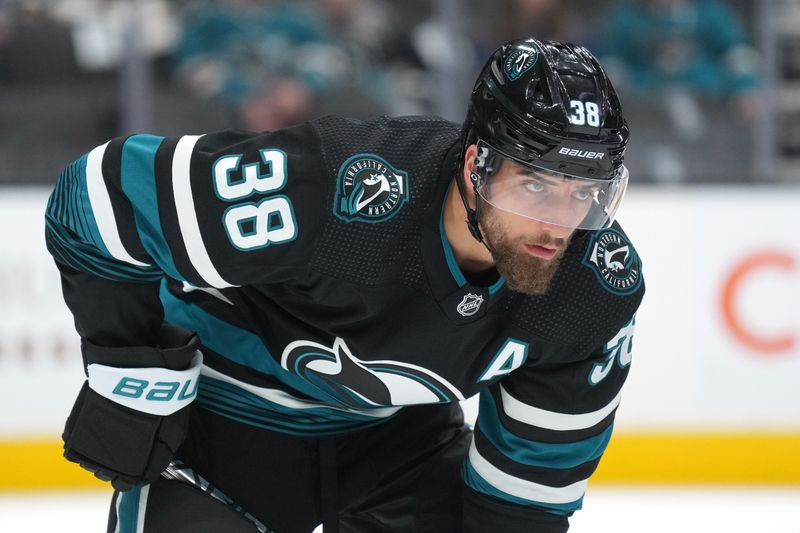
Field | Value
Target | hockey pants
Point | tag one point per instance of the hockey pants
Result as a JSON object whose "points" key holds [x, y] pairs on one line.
{"points": [[402, 476]]}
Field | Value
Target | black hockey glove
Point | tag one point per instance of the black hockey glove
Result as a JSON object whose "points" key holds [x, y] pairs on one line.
{"points": [[132, 413]]}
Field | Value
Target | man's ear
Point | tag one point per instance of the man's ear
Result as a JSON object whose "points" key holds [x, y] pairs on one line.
{"points": [[469, 164]]}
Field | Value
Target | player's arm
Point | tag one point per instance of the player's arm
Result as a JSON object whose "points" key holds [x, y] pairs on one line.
{"points": [[111, 283], [540, 434], [203, 210]]}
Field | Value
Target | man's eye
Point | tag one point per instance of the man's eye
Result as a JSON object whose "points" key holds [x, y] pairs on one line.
{"points": [[534, 186], [583, 194]]}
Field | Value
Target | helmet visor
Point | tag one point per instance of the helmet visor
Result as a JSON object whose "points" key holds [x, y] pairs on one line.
{"points": [[544, 195]]}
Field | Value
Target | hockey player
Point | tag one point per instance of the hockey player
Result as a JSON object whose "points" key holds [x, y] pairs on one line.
{"points": [[294, 315]]}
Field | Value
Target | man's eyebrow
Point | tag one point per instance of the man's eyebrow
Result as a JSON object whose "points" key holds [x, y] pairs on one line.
{"points": [[531, 173], [550, 180]]}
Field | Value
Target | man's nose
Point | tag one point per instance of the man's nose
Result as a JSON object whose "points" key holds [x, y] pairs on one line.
{"points": [[561, 213], [555, 231]]}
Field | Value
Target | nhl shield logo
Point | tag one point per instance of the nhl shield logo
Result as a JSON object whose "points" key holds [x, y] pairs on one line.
{"points": [[519, 61], [470, 304], [614, 261], [369, 189]]}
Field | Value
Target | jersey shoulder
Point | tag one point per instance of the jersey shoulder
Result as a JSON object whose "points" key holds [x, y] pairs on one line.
{"points": [[383, 175], [335, 195], [407, 149], [595, 293], [255, 201]]}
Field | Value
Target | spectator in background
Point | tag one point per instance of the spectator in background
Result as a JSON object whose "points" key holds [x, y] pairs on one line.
{"points": [[6, 36], [682, 58], [549, 19], [697, 45], [374, 38], [275, 63], [544, 18], [244, 52]]}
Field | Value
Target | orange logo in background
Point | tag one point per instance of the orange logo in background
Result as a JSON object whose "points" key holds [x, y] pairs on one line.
{"points": [[748, 336]]}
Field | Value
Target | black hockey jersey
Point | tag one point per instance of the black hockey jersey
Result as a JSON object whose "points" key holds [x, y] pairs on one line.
{"points": [[313, 264]]}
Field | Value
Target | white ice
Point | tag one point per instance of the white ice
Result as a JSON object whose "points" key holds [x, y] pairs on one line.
{"points": [[606, 510]]}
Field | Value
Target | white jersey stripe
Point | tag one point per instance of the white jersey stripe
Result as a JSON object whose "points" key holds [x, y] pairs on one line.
{"points": [[116, 510], [144, 492], [187, 217], [551, 420], [101, 207], [522, 488]]}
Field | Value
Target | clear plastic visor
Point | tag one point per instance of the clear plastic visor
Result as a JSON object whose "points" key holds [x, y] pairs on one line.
{"points": [[547, 196]]}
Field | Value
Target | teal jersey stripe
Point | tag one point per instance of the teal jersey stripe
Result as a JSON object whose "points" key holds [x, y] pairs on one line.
{"points": [[455, 270], [497, 285], [59, 253], [83, 207], [84, 257], [458, 276], [270, 424], [73, 236], [533, 453], [238, 345], [70, 207], [139, 185], [73, 176], [71, 181], [477, 483], [53, 210], [230, 394], [234, 402], [128, 513]]}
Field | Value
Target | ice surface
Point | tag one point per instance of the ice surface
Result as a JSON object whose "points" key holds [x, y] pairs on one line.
{"points": [[606, 510]]}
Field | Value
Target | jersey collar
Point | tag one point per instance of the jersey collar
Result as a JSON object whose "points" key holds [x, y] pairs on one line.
{"points": [[461, 301]]}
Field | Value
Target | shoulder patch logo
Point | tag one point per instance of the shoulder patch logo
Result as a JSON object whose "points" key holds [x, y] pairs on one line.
{"points": [[519, 61], [470, 304], [614, 261], [369, 189]]}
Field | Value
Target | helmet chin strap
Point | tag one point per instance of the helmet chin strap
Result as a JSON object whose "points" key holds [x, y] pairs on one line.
{"points": [[472, 214]]}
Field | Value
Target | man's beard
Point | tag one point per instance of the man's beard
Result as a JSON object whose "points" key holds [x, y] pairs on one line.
{"points": [[522, 271]]}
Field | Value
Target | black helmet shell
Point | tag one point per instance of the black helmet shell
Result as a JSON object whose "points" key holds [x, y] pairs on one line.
{"points": [[551, 105]]}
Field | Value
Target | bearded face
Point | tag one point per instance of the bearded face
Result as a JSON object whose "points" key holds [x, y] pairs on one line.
{"points": [[511, 246]]}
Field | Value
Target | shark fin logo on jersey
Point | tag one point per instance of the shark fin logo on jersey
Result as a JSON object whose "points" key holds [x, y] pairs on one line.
{"points": [[368, 189], [614, 261], [470, 304], [365, 384], [519, 61]]}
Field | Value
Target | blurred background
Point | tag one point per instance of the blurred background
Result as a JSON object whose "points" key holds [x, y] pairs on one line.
{"points": [[708, 435]]}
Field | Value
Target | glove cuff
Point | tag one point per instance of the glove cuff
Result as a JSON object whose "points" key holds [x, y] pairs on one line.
{"points": [[175, 351], [157, 391]]}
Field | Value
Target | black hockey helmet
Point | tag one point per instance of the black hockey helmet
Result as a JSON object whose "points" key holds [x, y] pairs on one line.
{"points": [[550, 109]]}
